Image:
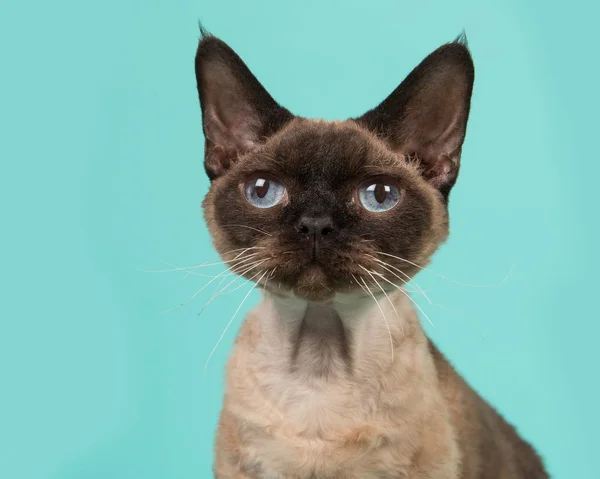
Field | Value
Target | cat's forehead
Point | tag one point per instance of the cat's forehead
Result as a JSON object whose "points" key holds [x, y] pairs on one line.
{"points": [[326, 150]]}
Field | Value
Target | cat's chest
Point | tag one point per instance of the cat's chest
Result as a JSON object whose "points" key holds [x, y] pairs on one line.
{"points": [[318, 432], [313, 458], [282, 454]]}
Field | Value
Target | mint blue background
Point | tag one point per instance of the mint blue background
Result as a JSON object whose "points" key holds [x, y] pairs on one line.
{"points": [[101, 152]]}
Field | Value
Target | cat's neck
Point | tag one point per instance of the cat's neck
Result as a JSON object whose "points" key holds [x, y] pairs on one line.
{"points": [[347, 336]]}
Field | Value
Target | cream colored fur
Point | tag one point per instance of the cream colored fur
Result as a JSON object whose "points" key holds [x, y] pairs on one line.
{"points": [[312, 392]]}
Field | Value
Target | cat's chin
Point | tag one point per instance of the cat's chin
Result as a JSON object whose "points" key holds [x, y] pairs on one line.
{"points": [[314, 295], [312, 285]]}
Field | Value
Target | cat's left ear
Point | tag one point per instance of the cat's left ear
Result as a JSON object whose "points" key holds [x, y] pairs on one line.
{"points": [[238, 114], [426, 116]]}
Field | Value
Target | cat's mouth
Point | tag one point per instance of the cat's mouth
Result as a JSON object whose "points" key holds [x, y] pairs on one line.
{"points": [[281, 269], [313, 282], [289, 269]]}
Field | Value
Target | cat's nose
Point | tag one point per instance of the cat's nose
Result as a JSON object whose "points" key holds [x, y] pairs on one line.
{"points": [[315, 226]]}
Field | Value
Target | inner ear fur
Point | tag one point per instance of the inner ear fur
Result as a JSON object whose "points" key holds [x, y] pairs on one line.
{"points": [[237, 111]]}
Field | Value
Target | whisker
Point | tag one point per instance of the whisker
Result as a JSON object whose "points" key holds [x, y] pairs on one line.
{"points": [[195, 294], [250, 228], [448, 279], [221, 292], [203, 265], [237, 269], [399, 288], [387, 266], [456, 312], [227, 273], [231, 320], [239, 264], [219, 284], [242, 249], [268, 277], [241, 285], [217, 294], [386, 295], [206, 263], [367, 290], [242, 262], [382, 313], [191, 272]]}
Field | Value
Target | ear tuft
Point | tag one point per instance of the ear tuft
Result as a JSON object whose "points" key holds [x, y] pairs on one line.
{"points": [[462, 39], [237, 112], [203, 31]]}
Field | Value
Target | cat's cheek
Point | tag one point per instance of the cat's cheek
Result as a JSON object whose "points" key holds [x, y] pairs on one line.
{"points": [[243, 224]]}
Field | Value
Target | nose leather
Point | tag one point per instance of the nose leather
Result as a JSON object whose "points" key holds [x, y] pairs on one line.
{"points": [[316, 227]]}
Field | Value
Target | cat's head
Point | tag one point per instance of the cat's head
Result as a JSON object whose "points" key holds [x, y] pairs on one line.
{"points": [[322, 207]]}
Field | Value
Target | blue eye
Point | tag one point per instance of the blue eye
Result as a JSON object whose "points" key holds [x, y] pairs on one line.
{"points": [[264, 192], [378, 196]]}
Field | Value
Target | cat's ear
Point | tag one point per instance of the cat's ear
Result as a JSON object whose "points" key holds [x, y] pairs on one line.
{"points": [[426, 116], [237, 112]]}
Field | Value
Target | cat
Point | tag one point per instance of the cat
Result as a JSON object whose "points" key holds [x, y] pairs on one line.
{"points": [[332, 375]]}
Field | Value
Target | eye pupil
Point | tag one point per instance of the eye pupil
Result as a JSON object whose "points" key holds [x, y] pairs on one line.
{"points": [[261, 187], [380, 192]]}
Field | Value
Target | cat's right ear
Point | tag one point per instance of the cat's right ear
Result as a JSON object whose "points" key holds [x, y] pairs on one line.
{"points": [[238, 114]]}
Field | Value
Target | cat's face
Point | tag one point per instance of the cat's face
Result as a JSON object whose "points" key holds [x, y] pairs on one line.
{"points": [[319, 207]]}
